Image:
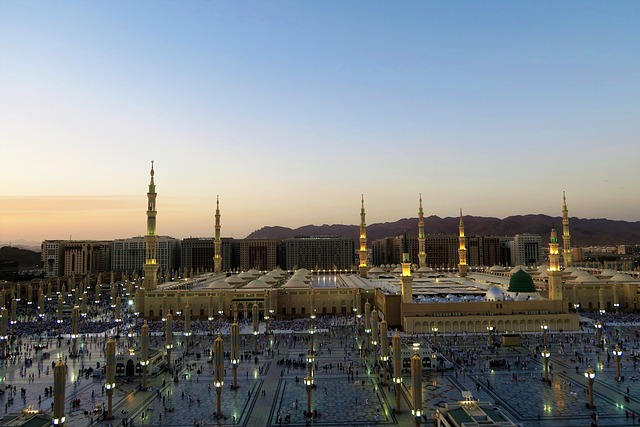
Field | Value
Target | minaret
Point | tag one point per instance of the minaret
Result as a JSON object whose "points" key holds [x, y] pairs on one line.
{"points": [[363, 241], [406, 279], [217, 255], [151, 264], [566, 237], [463, 268], [422, 255], [554, 273]]}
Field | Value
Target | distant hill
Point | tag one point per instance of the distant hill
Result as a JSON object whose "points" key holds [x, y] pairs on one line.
{"points": [[26, 258], [584, 232], [22, 244]]}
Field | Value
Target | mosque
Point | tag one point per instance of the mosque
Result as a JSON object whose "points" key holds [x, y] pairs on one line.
{"points": [[415, 299]]}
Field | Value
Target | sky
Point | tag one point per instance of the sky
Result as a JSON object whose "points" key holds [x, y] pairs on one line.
{"points": [[290, 110]]}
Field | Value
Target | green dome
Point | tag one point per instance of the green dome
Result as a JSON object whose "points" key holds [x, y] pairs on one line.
{"points": [[521, 281]]}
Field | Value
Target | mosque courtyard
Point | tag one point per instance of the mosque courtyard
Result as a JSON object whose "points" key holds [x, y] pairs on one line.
{"points": [[271, 390]]}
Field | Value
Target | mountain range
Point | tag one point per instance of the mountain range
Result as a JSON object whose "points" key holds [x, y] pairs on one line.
{"points": [[584, 232]]}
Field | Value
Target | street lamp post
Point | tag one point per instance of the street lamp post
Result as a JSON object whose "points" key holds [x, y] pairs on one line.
{"points": [[576, 306], [308, 382], [544, 328], [110, 385], [367, 324], [235, 350], [374, 335], [545, 355], [169, 338], [4, 333], [397, 368], [187, 326], [384, 344], [75, 313], [254, 321], [144, 352], [490, 335], [590, 375], [598, 327], [617, 352], [312, 331], [434, 329], [59, 384], [416, 384], [218, 355]]}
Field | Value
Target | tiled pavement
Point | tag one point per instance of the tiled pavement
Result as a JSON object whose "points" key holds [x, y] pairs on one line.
{"points": [[340, 400]]}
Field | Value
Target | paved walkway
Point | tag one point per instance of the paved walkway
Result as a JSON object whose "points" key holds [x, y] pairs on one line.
{"points": [[346, 391]]}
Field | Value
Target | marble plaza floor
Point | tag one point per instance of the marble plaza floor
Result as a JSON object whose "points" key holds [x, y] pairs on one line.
{"points": [[272, 392]]}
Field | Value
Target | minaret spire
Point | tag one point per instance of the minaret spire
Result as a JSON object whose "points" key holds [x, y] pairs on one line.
{"points": [[554, 274], [566, 236], [406, 279], [363, 241], [422, 255], [151, 266], [463, 268], [217, 255]]}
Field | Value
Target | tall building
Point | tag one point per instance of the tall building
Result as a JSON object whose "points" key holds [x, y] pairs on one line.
{"points": [[442, 250], [566, 236], [258, 253], [130, 254], [390, 249], [490, 250], [198, 253], [52, 256], [313, 253], [363, 241], [527, 249], [151, 266], [86, 257]]}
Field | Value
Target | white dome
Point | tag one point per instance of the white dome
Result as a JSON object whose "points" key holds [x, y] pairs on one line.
{"points": [[522, 296], [608, 273], [494, 293], [234, 280], [220, 284], [585, 278], [621, 277], [245, 275], [497, 268], [255, 272], [296, 283], [267, 278], [258, 284]]}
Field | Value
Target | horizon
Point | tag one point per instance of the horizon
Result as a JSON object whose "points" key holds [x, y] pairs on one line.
{"points": [[34, 243], [289, 111]]}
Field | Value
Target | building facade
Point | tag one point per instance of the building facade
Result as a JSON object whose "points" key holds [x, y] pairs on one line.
{"points": [[86, 257], [198, 253], [318, 253], [52, 256], [527, 249], [258, 253], [129, 254]]}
